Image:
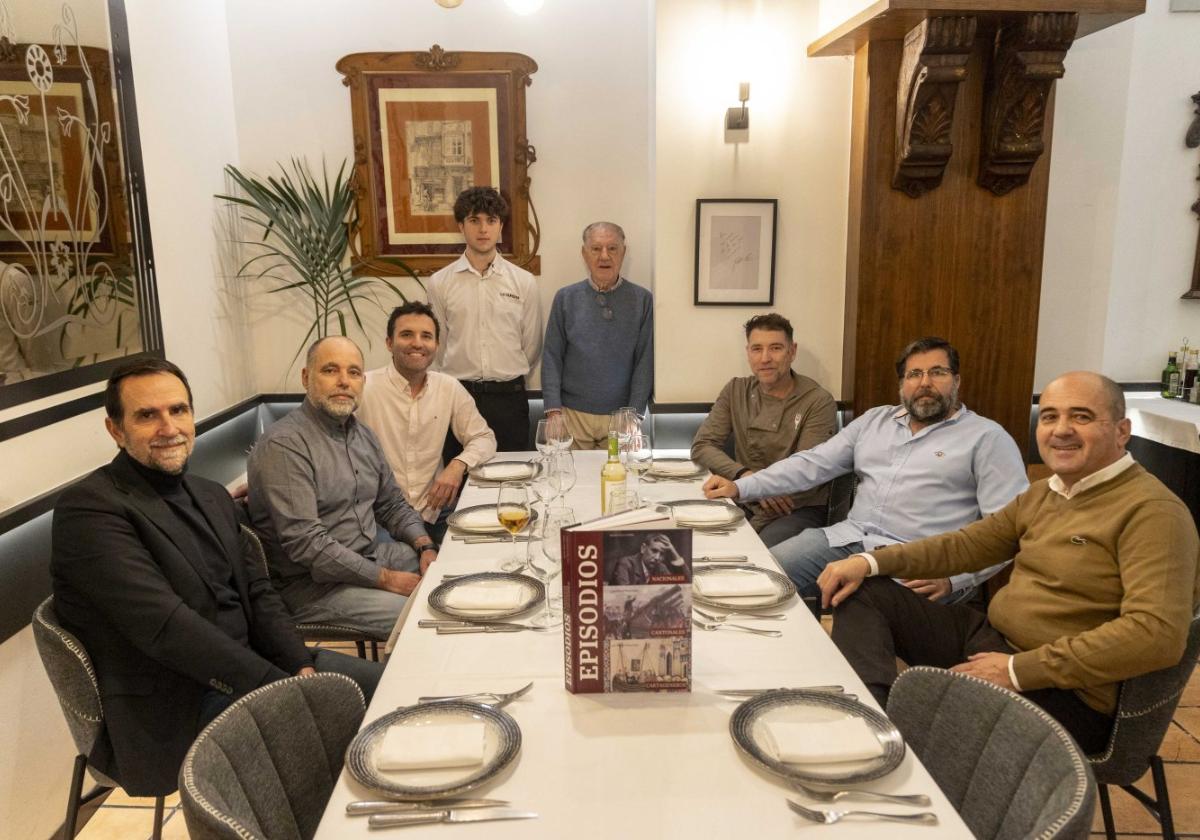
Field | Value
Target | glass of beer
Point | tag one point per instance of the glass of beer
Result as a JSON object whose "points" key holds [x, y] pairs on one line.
{"points": [[512, 509]]}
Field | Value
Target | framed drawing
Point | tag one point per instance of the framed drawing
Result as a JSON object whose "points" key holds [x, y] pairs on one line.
{"points": [[735, 251], [428, 125], [77, 290]]}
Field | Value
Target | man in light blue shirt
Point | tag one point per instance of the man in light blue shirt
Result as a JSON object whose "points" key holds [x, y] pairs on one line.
{"points": [[924, 467]]}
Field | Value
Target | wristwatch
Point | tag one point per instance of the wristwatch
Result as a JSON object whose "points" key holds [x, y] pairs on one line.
{"points": [[434, 547]]}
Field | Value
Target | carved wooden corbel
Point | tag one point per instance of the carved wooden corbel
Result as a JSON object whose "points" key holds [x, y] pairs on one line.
{"points": [[934, 64], [1027, 58]]}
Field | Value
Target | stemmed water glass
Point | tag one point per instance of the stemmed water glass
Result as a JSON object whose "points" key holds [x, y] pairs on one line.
{"points": [[512, 509], [557, 518], [557, 433], [542, 440], [639, 457], [541, 485], [562, 474]]}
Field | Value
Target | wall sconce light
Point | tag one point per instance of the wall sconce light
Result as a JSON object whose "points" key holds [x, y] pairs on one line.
{"points": [[448, 4], [737, 120]]}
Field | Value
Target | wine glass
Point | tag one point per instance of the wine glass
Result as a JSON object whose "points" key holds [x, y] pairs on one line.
{"points": [[639, 457], [541, 438], [562, 475], [512, 509], [557, 432], [557, 518], [541, 485]]}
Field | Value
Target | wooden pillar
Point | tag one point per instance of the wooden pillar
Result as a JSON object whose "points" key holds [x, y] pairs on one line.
{"points": [[949, 169]]}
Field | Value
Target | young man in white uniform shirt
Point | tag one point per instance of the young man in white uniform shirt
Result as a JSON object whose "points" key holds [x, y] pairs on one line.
{"points": [[411, 408], [492, 315]]}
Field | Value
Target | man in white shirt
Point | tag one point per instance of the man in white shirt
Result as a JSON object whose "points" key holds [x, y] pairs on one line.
{"points": [[411, 409], [492, 315]]}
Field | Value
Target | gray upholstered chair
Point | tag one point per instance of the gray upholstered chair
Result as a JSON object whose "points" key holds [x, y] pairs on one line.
{"points": [[266, 766], [324, 631], [70, 671], [1009, 768], [1144, 711]]}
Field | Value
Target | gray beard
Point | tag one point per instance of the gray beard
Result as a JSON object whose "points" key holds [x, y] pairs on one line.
{"points": [[931, 412], [338, 411]]}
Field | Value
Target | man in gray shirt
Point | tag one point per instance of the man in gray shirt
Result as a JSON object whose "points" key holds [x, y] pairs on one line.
{"points": [[325, 502]]}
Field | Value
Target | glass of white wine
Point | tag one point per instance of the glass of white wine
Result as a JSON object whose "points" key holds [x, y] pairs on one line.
{"points": [[512, 509]]}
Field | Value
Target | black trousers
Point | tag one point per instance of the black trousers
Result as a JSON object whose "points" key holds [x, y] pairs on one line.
{"points": [[506, 412], [884, 620]]}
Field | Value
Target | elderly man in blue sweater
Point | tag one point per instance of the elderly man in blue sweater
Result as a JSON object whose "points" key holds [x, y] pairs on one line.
{"points": [[599, 350]]}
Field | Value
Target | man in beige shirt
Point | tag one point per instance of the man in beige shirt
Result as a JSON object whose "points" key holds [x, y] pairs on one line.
{"points": [[411, 408], [1106, 577], [770, 415]]}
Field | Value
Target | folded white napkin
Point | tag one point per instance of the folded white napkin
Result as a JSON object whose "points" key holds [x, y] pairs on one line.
{"points": [[480, 519], [847, 739], [702, 513], [485, 596], [431, 746], [637, 516], [501, 472], [674, 467], [721, 585]]}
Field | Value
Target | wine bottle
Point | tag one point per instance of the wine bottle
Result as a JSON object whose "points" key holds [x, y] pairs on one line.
{"points": [[1170, 378], [612, 474]]}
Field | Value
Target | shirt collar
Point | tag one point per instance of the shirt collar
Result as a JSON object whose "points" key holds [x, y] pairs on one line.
{"points": [[495, 267], [331, 425], [901, 416], [1088, 481], [399, 381], [611, 288]]}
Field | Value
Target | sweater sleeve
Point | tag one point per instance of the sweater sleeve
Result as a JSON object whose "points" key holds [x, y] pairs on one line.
{"points": [[553, 350], [987, 542], [1157, 555], [642, 384]]}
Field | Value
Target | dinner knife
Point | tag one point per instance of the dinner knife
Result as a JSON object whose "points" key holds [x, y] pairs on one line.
{"points": [[444, 630], [449, 815], [429, 623], [754, 692], [386, 806]]}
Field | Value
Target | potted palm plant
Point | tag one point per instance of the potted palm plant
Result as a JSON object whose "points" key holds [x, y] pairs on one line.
{"points": [[305, 243]]}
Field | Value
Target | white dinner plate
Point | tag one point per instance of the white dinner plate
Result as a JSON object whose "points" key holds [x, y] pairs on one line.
{"points": [[481, 519]]}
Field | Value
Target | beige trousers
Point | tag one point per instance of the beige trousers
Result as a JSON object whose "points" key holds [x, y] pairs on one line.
{"points": [[590, 431]]}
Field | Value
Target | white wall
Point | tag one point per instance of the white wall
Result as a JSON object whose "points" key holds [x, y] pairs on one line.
{"points": [[589, 116], [184, 146], [1120, 239], [798, 152]]}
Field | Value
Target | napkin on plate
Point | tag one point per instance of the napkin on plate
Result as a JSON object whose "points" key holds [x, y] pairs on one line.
{"points": [[489, 596], [480, 519], [673, 467], [432, 746], [723, 585], [702, 513], [847, 739], [502, 472]]}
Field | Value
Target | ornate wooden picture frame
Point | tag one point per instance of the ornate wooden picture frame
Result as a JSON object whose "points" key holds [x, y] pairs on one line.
{"points": [[426, 126]]}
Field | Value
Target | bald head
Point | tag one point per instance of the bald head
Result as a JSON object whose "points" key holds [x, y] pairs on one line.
{"points": [[333, 376], [1110, 392]]}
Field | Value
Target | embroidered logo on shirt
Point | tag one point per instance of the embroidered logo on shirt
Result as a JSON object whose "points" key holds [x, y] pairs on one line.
{"points": [[511, 295], [1078, 541], [939, 454], [796, 421]]}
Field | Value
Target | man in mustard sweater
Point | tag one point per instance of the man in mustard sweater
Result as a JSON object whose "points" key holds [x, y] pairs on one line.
{"points": [[1105, 577]]}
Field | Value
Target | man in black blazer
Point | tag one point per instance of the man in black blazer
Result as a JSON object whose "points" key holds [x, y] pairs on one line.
{"points": [[149, 574]]}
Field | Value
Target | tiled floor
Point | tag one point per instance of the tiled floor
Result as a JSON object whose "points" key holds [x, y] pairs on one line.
{"points": [[123, 818]]}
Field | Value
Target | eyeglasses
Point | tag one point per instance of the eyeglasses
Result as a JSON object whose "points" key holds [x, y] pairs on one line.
{"points": [[605, 309], [916, 374]]}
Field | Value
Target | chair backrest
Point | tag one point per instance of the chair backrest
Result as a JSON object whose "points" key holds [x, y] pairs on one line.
{"points": [[1009, 768], [1144, 711], [266, 766], [74, 679]]}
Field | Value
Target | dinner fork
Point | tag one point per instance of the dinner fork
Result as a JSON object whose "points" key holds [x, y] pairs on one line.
{"points": [[830, 817], [494, 698], [834, 795], [718, 625], [747, 615]]}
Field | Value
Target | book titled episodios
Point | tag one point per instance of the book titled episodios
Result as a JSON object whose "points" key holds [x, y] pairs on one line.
{"points": [[627, 602]]}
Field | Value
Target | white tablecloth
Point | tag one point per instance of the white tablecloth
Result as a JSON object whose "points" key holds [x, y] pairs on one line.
{"points": [[1170, 422], [626, 766]]}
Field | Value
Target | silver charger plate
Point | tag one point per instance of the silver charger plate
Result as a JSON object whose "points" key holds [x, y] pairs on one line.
{"points": [[502, 743], [747, 727], [784, 589], [505, 471], [481, 519], [674, 468], [730, 514], [533, 593]]}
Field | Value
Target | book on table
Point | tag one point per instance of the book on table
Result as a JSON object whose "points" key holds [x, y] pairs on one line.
{"points": [[627, 603]]}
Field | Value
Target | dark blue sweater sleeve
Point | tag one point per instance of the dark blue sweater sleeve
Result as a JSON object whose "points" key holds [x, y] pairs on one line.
{"points": [[642, 384], [553, 349]]}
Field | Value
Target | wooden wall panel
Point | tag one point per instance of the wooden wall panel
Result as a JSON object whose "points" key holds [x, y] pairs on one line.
{"points": [[959, 261]]}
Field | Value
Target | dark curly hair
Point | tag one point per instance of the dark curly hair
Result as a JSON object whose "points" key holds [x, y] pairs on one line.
{"points": [[485, 200]]}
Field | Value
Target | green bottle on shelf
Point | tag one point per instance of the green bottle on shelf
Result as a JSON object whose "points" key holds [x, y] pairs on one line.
{"points": [[1170, 378]]}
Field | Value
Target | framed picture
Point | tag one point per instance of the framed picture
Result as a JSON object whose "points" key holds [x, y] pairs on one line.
{"points": [[427, 126], [735, 251]]}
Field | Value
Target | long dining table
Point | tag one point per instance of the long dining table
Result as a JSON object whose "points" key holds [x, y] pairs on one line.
{"points": [[627, 765]]}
